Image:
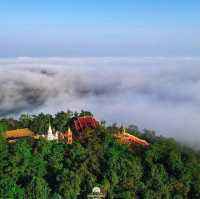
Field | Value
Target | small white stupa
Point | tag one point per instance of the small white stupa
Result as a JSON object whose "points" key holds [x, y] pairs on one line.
{"points": [[50, 135]]}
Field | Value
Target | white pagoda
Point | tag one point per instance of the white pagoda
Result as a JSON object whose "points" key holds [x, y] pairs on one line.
{"points": [[50, 135]]}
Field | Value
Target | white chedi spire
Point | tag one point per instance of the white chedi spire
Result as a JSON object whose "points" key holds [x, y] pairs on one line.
{"points": [[50, 135], [50, 132]]}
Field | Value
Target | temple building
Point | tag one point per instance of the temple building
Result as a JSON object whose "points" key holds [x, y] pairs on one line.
{"points": [[13, 135], [18, 133], [69, 136], [124, 137], [50, 135]]}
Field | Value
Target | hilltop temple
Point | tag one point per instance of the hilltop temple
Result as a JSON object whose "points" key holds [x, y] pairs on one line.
{"points": [[79, 125]]}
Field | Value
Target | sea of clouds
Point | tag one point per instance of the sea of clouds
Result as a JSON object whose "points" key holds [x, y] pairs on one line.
{"points": [[159, 93]]}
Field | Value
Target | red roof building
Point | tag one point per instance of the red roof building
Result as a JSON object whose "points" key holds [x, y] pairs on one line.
{"points": [[84, 122]]}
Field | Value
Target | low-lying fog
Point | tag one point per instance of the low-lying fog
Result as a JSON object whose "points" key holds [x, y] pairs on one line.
{"points": [[155, 93]]}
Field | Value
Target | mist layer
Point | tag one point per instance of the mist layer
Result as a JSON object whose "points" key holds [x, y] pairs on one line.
{"points": [[157, 93]]}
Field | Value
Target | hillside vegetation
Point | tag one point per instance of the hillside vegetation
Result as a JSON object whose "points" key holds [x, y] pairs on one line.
{"points": [[40, 169]]}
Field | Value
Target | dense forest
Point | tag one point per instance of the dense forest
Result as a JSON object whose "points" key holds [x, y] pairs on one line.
{"points": [[40, 169]]}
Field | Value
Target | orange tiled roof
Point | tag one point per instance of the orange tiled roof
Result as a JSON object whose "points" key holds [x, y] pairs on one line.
{"points": [[128, 138]]}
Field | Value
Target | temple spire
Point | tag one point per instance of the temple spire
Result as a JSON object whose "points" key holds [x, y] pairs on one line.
{"points": [[50, 129], [50, 135], [69, 136]]}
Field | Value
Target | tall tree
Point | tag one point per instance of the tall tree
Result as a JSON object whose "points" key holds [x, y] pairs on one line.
{"points": [[37, 189]]}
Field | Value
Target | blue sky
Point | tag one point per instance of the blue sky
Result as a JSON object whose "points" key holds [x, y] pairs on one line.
{"points": [[42, 28]]}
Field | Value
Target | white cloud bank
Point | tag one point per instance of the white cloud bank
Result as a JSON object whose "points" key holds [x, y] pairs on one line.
{"points": [[157, 93]]}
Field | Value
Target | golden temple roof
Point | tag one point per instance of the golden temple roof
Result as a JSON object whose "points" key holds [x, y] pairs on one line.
{"points": [[17, 133]]}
